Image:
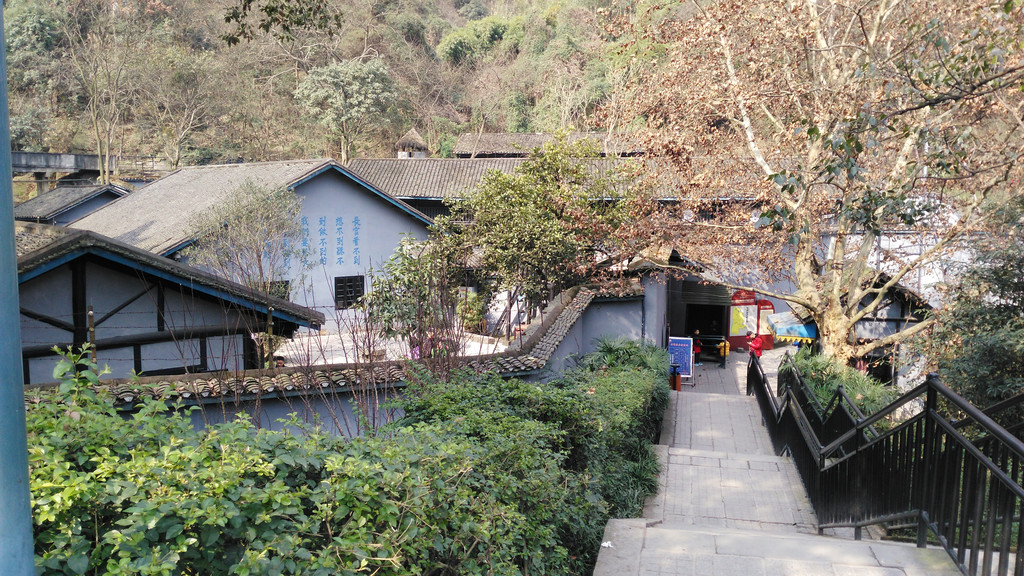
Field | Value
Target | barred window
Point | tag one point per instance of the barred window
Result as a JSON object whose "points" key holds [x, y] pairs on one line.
{"points": [[347, 291]]}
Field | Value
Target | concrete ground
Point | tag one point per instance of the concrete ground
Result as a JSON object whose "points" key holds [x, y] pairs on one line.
{"points": [[728, 506], [315, 348]]}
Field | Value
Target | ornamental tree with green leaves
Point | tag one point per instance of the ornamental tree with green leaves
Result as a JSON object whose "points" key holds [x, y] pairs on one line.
{"points": [[554, 221], [977, 343], [350, 98], [415, 296]]}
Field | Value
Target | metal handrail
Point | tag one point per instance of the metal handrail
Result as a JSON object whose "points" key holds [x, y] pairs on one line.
{"points": [[968, 495], [988, 424], [994, 409]]}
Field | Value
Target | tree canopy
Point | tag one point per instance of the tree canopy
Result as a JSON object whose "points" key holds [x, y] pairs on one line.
{"points": [[551, 223], [842, 148], [978, 341], [350, 98], [134, 78]]}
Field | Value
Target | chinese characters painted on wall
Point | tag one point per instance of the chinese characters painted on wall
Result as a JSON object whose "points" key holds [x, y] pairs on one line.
{"points": [[327, 236]]}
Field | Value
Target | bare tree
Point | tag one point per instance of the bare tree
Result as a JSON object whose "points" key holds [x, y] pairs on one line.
{"points": [[99, 48], [253, 238], [855, 143]]}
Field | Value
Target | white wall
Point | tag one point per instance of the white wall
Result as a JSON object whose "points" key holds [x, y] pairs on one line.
{"points": [[349, 230]]}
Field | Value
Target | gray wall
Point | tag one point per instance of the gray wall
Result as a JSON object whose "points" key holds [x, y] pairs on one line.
{"points": [[108, 290], [612, 319], [334, 411], [655, 317], [619, 318], [349, 231]]}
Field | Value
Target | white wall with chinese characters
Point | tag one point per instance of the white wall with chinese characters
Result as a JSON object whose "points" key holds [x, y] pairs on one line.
{"points": [[348, 230]]}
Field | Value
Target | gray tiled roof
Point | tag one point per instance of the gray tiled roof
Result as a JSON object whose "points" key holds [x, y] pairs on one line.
{"points": [[39, 244], [429, 177], [520, 143], [157, 216], [533, 354], [31, 237], [49, 204], [436, 178]]}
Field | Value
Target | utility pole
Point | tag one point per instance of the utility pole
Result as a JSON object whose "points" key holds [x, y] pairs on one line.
{"points": [[16, 551]]}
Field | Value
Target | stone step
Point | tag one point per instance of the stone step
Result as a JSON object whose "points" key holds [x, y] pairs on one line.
{"points": [[731, 490], [651, 548]]}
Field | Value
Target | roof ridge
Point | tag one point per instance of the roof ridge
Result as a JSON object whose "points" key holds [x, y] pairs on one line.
{"points": [[260, 163]]}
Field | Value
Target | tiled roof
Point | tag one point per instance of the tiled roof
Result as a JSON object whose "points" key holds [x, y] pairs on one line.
{"points": [[31, 237], [429, 177], [520, 144], [536, 349], [49, 204], [39, 245], [157, 217], [445, 177]]}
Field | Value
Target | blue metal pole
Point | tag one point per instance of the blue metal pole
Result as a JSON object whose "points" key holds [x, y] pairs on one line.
{"points": [[16, 554]]}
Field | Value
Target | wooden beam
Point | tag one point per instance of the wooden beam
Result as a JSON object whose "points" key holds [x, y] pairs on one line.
{"points": [[138, 340], [79, 307], [48, 320]]}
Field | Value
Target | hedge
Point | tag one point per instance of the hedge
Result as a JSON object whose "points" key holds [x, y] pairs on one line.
{"points": [[483, 476]]}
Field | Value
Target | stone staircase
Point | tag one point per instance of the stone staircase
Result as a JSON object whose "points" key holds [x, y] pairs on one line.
{"points": [[728, 506]]}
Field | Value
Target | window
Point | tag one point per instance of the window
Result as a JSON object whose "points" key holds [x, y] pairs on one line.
{"points": [[279, 289], [347, 291]]}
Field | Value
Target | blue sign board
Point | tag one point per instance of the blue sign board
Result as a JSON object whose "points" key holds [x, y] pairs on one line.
{"points": [[680, 352]]}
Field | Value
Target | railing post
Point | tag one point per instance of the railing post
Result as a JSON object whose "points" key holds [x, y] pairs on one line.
{"points": [[750, 363], [924, 489], [16, 548]]}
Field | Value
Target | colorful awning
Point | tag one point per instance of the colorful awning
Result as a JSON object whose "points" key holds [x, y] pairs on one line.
{"points": [[788, 328]]}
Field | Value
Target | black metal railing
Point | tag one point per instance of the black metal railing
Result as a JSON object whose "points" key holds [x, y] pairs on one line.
{"points": [[964, 491]]}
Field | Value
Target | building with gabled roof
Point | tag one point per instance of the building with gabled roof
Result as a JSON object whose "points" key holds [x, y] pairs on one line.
{"points": [[144, 314], [412, 145], [67, 203], [350, 224], [572, 326]]}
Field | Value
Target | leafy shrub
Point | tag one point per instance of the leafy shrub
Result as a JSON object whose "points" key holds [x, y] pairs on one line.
{"points": [[471, 309], [825, 376], [478, 39], [628, 381], [597, 423], [484, 476], [473, 10]]}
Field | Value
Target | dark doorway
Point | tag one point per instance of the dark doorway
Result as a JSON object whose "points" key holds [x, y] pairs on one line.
{"points": [[708, 318]]}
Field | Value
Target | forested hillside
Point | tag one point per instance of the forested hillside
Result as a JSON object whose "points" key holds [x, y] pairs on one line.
{"points": [[160, 78]]}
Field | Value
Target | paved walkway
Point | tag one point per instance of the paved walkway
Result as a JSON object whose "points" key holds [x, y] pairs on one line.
{"points": [[727, 505]]}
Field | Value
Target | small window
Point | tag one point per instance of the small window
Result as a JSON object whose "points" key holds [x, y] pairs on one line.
{"points": [[347, 291], [279, 289]]}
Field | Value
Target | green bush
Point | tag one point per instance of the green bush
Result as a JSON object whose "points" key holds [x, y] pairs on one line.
{"points": [[598, 422], [824, 376], [480, 39], [485, 476]]}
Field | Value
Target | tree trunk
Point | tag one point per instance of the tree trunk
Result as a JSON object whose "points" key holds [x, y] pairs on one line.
{"points": [[834, 333]]}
